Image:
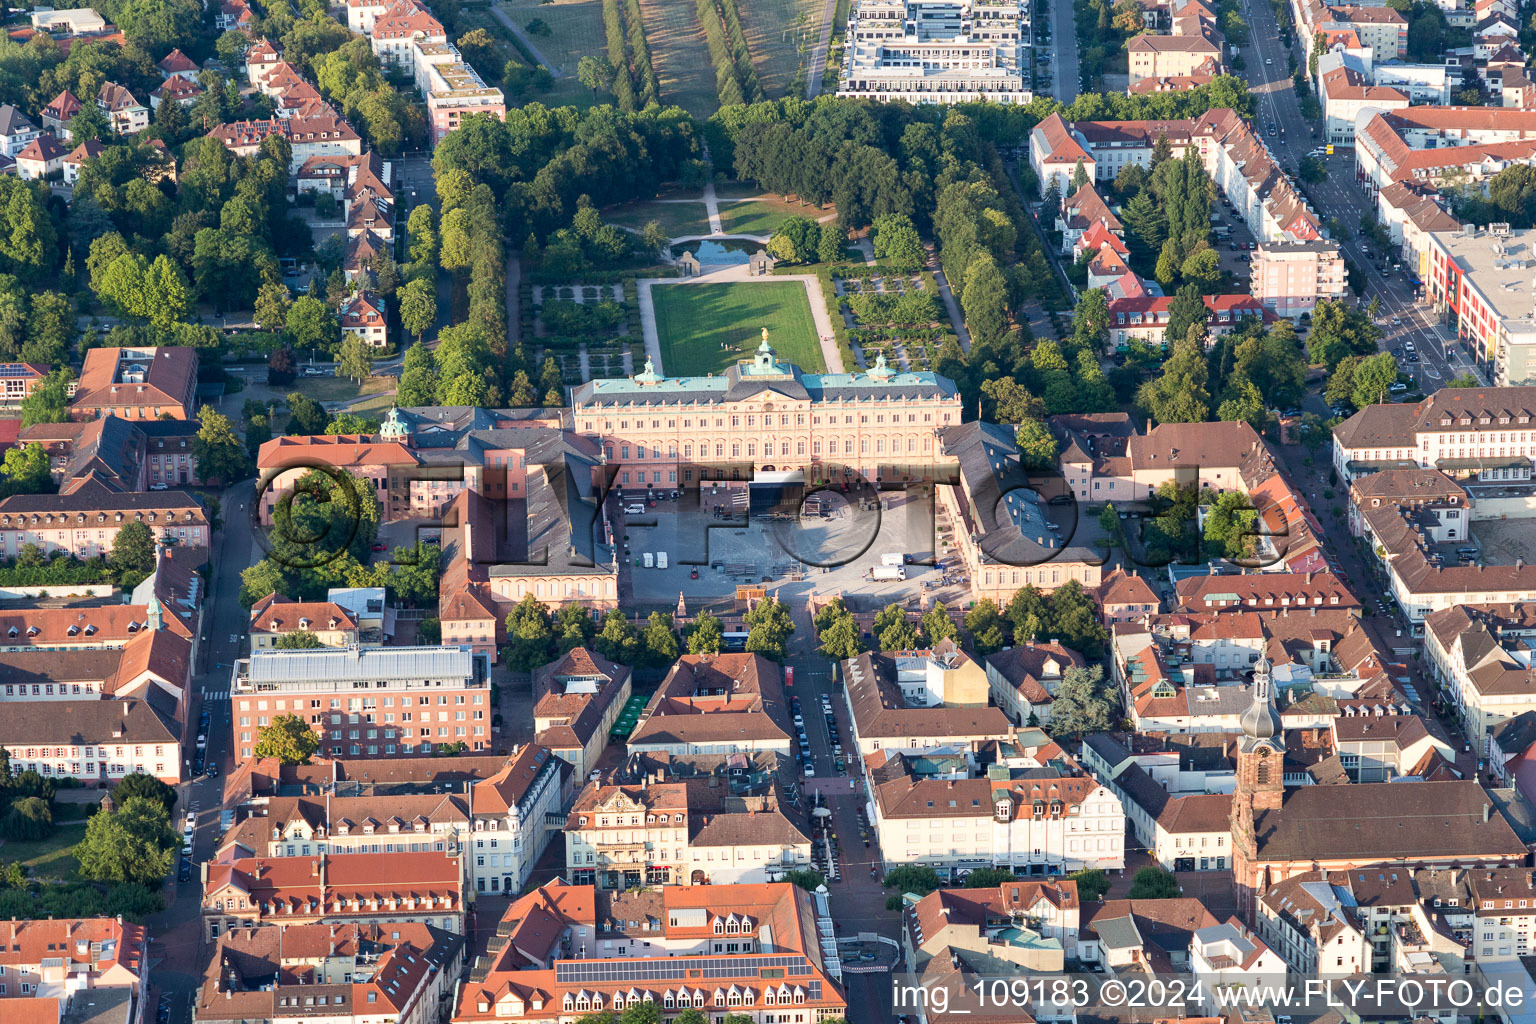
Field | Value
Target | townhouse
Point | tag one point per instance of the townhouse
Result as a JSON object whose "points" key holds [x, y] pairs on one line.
{"points": [[334, 889], [1132, 936], [704, 819], [764, 950], [1021, 679], [1050, 819], [1269, 591], [1124, 597], [350, 973], [1480, 656], [1426, 145], [364, 316], [275, 616], [512, 810], [1144, 318], [1031, 924], [716, 704], [577, 699], [66, 957], [1411, 212], [919, 701]]}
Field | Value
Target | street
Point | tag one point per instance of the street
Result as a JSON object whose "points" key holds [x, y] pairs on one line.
{"points": [[1339, 198]]}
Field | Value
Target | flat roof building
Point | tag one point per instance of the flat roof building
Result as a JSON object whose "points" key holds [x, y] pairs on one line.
{"points": [[937, 51], [1482, 283]]}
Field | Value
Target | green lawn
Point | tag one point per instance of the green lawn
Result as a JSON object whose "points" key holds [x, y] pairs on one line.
{"points": [[49, 858], [575, 29], [692, 320], [677, 219], [738, 190], [763, 216]]}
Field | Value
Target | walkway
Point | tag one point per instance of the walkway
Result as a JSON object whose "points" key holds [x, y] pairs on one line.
{"points": [[554, 70], [819, 55], [956, 318], [733, 274], [712, 207]]}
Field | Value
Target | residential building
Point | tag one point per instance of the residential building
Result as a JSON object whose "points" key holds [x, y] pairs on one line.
{"points": [[175, 89], [919, 700], [1269, 591], [353, 973], [716, 704], [125, 114], [1125, 597], [1481, 657], [706, 819], [16, 130], [1030, 924], [930, 52], [1126, 937], [84, 522], [119, 454], [363, 316], [337, 823], [78, 157], [512, 810], [93, 740], [577, 699], [334, 889], [66, 957], [1511, 752], [1173, 56], [1291, 278], [17, 381], [419, 698], [43, 157], [137, 384], [1047, 820], [276, 616], [1426, 145], [322, 132], [59, 112], [1144, 318], [1022, 679], [1081, 211], [1411, 213], [558, 964]]}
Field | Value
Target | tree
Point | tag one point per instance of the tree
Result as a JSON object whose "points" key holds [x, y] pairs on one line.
{"points": [[289, 739], [133, 548], [838, 631], [1466, 380], [1037, 447], [1092, 884], [1230, 525], [1090, 320], [796, 240], [418, 306], [26, 470], [355, 360], [1012, 401], [659, 641], [216, 449], [312, 325], [1179, 395], [1082, 703], [530, 640], [985, 623], [297, 640], [133, 843], [892, 630], [706, 635], [140, 784], [898, 244], [988, 878], [768, 628], [1154, 883], [985, 301], [937, 625], [617, 640], [1202, 268], [305, 415], [89, 125], [1243, 402], [282, 368], [806, 878], [595, 73], [49, 401], [1079, 175], [272, 303], [28, 820], [1374, 377], [1513, 191], [351, 423], [914, 878]]}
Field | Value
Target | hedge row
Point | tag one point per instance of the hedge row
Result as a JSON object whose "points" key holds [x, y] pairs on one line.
{"points": [[735, 78], [623, 87], [640, 55]]}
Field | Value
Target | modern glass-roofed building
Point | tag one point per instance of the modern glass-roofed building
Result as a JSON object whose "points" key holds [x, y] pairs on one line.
{"points": [[764, 415]]}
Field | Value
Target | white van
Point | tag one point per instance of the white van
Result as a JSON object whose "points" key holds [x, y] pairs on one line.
{"points": [[661, 559], [634, 510], [648, 559], [893, 558]]}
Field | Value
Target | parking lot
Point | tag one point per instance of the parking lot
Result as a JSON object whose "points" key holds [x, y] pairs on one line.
{"points": [[714, 544], [1503, 541]]}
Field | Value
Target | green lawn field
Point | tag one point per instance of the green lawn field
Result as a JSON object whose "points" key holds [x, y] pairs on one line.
{"points": [[676, 219], [693, 319], [763, 216]]}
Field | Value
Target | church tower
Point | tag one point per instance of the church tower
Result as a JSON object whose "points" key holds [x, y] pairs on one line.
{"points": [[1260, 785]]}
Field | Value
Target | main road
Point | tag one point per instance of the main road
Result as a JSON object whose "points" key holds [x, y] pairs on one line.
{"points": [[1341, 198]]}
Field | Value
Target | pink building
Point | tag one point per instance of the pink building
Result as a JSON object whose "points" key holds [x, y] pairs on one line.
{"points": [[84, 522], [766, 415]]}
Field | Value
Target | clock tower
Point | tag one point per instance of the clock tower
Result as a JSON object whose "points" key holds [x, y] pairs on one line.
{"points": [[1260, 784]]}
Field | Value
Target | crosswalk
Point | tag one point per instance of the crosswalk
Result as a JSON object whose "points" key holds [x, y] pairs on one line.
{"points": [[215, 695]]}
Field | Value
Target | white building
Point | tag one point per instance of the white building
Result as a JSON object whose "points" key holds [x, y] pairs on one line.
{"points": [[937, 51], [510, 809]]}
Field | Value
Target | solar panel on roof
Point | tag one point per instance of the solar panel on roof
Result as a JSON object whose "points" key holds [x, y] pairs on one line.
{"points": [[577, 972]]}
